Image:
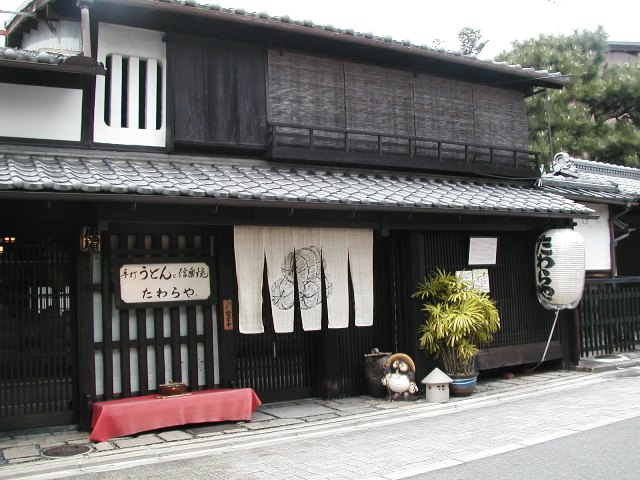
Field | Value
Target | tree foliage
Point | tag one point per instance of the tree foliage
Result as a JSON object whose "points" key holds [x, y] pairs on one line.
{"points": [[471, 41], [596, 115]]}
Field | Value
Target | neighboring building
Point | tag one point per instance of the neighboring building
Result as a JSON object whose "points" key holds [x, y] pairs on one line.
{"points": [[622, 53], [613, 191], [231, 199], [609, 314]]}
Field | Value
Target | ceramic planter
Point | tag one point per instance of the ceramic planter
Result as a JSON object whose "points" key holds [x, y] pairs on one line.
{"points": [[463, 385]]}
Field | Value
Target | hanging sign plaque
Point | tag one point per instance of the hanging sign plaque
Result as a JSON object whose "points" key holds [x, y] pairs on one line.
{"points": [[157, 284]]}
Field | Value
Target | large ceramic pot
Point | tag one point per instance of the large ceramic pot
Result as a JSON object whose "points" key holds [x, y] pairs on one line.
{"points": [[374, 371], [462, 385]]}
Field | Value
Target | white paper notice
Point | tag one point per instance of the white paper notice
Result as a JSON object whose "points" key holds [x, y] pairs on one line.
{"points": [[482, 250]]}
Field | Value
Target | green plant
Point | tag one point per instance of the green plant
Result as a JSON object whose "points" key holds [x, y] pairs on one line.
{"points": [[459, 319]]}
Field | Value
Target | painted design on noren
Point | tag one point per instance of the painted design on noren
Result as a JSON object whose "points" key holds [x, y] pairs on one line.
{"points": [[307, 265]]}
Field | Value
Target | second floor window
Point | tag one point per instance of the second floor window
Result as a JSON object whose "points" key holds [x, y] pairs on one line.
{"points": [[133, 93], [130, 100]]}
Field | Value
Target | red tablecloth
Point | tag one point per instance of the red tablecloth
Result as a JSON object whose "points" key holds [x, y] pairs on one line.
{"points": [[116, 418]]}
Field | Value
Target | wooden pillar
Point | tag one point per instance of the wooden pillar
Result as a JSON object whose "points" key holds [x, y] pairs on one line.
{"points": [[85, 373], [569, 326], [410, 269], [227, 307]]}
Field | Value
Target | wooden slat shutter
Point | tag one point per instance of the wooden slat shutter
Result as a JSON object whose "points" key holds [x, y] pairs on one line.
{"points": [[189, 90], [219, 92]]}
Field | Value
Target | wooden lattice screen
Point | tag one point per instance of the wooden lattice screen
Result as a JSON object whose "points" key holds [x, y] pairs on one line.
{"points": [[137, 349], [36, 332], [610, 316], [512, 281]]}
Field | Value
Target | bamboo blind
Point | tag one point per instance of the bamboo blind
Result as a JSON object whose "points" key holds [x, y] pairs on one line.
{"points": [[443, 109], [306, 90], [500, 117], [379, 99]]}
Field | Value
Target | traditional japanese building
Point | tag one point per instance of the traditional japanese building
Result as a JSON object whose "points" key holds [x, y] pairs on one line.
{"points": [[232, 199], [609, 314]]}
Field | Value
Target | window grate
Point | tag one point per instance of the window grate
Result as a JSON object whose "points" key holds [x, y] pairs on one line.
{"points": [[133, 93]]}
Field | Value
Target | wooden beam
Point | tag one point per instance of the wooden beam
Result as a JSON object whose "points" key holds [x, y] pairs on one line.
{"points": [[516, 355]]}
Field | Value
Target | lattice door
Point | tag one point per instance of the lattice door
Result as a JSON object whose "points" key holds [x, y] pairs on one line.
{"points": [[36, 347]]}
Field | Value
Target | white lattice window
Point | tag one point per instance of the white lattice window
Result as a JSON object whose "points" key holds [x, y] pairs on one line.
{"points": [[130, 99]]}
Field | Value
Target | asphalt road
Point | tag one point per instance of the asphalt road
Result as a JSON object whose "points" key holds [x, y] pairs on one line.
{"points": [[608, 452]]}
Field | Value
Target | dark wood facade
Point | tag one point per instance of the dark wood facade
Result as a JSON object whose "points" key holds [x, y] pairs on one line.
{"points": [[232, 96], [525, 324], [217, 93], [250, 92], [125, 352], [38, 345]]}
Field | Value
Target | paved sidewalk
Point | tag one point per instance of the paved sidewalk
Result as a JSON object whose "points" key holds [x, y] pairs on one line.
{"points": [[21, 455]]}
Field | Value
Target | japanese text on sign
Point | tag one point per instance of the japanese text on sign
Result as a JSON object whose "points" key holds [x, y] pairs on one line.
{"points": [[228, 314], [478, 278], [164, 282]]}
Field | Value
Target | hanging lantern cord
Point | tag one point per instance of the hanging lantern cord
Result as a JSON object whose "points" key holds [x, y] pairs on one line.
{"points": [[548, 341]]}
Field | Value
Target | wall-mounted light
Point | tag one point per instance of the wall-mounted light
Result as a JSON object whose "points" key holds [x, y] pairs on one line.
{"points": [[90, 239], [6, 240]]}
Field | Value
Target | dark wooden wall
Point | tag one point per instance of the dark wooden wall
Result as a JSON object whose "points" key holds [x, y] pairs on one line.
{"points": [[626, 251], [217, 92], [610, 316], [525, 324]]}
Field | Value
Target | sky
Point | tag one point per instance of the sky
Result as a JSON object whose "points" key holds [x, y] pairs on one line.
{"points": [[423, 21]]}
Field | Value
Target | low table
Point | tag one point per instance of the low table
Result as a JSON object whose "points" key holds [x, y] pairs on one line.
{"points": [[116, 418]]}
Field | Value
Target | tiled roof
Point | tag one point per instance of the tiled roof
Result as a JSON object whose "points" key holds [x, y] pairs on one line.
{"points": [[626, 179], [351, 32], [50, 60], [7, 53], [586, 179], [201, 9], [585, 194], [260, 183]]}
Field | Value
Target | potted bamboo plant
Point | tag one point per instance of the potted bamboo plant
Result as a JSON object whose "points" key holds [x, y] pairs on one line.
{"points": [[458, 320]]}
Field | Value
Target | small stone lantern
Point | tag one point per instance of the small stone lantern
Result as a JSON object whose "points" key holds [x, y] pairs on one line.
{"points": [[437, 386]]}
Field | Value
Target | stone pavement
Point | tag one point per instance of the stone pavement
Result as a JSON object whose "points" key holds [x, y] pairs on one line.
{"points": [[21, 455]]}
